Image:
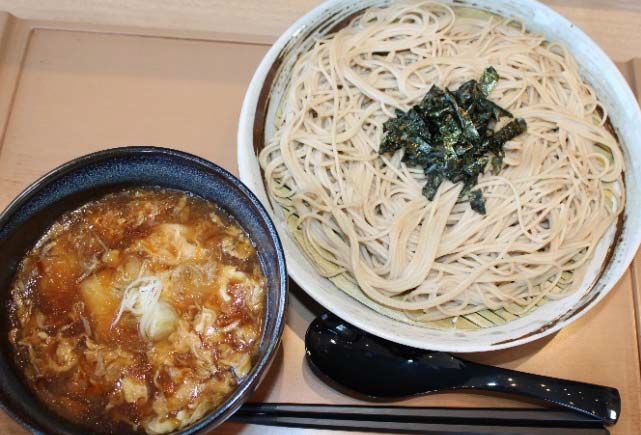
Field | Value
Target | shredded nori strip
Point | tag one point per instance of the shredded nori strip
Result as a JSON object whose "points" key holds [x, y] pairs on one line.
{"points": [[450, 134]]}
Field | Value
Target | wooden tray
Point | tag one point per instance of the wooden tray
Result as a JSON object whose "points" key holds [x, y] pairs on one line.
{"points": [[69, 89]]}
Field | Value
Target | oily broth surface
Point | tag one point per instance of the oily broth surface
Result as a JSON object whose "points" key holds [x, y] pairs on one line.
{"points": [[188, 335]]}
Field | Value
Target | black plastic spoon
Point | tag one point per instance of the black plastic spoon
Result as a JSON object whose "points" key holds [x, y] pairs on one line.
{"points": [[370, 366]]}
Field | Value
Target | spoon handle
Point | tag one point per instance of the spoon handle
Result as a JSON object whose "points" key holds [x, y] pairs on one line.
{"points": [[598, 401]]}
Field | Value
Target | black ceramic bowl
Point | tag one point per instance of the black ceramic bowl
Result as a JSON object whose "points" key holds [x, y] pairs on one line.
{"points": [[89, 177]]}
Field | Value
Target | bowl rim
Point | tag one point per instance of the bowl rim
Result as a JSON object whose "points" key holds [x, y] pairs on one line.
{"points": [[274, 337], [245, 159]]}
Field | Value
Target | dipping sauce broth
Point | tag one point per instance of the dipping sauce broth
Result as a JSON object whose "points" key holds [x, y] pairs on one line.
{"points": [[140, 311]]}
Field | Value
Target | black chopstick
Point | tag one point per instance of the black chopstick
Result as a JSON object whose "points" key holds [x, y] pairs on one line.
{"points": [[414, 420]]}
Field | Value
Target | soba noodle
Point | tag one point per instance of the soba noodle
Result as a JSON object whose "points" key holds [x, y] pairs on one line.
{"points": [[363, 214]]}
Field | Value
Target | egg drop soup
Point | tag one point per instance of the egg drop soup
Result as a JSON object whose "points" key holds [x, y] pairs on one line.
{"points": [[138, 312]]}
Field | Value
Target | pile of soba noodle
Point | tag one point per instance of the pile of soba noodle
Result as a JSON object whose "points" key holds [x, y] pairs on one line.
{"points": [[363, 215]]}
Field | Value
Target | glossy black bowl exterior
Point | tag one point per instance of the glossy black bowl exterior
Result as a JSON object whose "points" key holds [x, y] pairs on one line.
{"points": [[92, 176]]}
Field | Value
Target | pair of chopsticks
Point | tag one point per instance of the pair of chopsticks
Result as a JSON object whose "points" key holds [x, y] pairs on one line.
{"points": [[427, 421]]}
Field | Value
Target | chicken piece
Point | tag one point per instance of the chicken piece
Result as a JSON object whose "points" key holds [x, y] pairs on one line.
{"points": [[133, 390], [101, 302]]}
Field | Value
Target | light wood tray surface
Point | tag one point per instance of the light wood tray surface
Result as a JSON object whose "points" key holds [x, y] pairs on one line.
{"points": [[67, 89]]}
